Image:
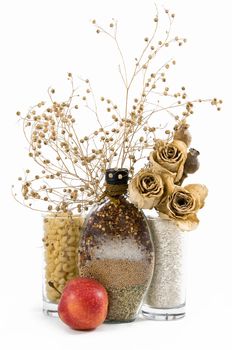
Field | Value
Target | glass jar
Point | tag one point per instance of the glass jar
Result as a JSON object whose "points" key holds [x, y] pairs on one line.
{"points": [[165, 298], [116, 249], [61, 241]]}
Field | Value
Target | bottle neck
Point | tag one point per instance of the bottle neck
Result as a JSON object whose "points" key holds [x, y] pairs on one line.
{"points": [[115, 190]]}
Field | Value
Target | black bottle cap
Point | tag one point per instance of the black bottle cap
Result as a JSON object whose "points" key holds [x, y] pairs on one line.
{"points": [[117, 176]]}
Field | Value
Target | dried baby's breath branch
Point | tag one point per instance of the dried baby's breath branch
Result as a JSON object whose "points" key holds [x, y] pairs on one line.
{"points": [[56, 148], [71, 163], [141, 66], [137, 119]]}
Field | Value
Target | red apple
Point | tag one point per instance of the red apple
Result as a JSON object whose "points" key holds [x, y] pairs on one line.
{"points": [[83, 304]]}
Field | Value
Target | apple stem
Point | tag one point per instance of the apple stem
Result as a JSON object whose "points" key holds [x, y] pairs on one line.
{"points": [[51, 284]]}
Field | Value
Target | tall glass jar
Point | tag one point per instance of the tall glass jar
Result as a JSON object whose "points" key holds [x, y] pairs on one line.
{"points": [[165, 298], [61, 241], [116, 249]]}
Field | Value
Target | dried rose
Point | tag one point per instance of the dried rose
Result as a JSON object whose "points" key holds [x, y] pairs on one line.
{"points": [[170, 156], [146, 189], [182, 205]]}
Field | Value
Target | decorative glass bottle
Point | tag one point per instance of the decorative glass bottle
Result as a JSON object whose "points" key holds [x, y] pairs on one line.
{"points": [[165, 298], [116, 249], [61, 240]]}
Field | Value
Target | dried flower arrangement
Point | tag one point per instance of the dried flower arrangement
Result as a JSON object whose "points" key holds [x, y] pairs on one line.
{"points": [[72, 165], [159, 184]]}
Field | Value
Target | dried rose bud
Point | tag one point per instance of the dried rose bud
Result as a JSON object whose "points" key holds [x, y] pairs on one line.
{"points": [[192, 162], [183, 134]]}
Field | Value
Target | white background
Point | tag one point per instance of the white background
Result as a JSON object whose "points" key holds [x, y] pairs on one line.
{"points": [[40, 42]]}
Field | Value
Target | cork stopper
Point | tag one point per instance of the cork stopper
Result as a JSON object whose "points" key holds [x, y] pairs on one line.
{"points": [[117, 176]]}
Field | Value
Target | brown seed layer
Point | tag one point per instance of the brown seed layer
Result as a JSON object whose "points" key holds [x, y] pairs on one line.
{"points": [[118, 273]]}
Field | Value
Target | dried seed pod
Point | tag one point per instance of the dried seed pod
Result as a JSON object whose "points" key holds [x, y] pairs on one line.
{"points": [[191, 165], [182, 134], [192, 162]]}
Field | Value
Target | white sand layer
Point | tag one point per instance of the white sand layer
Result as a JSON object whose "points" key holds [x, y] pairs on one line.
{"points": [[167, 289]]}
